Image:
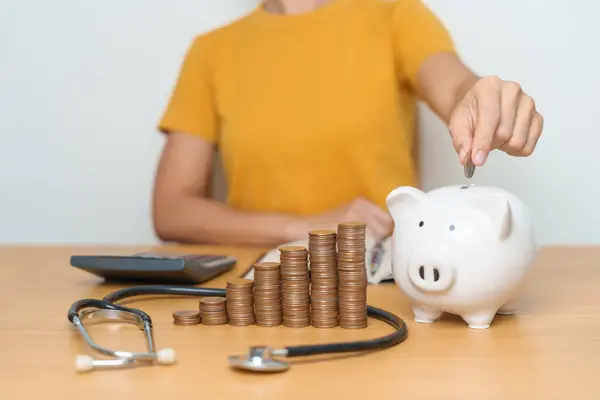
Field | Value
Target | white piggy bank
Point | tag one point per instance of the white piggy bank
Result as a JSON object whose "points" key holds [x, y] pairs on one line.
{"points": [[466, 250]]}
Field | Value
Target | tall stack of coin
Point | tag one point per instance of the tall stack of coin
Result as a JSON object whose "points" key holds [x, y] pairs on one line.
{"points": [[295, 286], [324, 279], [213, 311], [267, 294], [186, 317], [352, 275], [240, 304]]}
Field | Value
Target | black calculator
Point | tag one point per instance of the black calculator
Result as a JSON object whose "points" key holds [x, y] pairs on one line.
{"points": [[155, 267]]}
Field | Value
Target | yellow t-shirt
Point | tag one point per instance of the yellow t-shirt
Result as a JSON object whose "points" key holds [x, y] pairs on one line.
{"points": [[309, 111]]}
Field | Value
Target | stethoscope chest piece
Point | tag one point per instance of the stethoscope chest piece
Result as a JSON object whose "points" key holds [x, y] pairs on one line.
{"points": [[259, 360]]}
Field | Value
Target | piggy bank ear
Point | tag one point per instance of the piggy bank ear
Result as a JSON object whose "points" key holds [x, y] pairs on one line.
{"points": [[402, 197], [497, 208]]}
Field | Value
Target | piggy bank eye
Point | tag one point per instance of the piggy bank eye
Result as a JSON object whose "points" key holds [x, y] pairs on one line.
{"points": [[452, 227], [421, 223]]}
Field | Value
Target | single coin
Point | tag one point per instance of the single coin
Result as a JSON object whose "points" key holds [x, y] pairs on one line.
{"points": [[469, 168], [322, 232], [182, 323], [211, 322], [213, 300], [186, 314], [293, 249], [352, 224], [240, 283], [266, 266]]}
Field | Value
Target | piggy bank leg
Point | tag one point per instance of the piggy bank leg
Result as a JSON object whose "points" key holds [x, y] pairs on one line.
{"points": [[508, 308], [425, 315], [479, 319]]}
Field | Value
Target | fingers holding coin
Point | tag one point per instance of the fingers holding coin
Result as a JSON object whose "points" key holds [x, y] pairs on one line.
{"points": [[494, 114]]}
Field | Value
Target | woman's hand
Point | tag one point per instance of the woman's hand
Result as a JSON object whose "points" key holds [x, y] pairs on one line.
{"points": [[379, 222], [494, 114]]}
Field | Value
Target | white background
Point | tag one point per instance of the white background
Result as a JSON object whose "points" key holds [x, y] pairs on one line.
{"points": [[83, 84]]}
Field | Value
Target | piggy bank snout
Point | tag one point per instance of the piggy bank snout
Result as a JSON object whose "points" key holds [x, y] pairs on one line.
{"points": [[430, 273]]}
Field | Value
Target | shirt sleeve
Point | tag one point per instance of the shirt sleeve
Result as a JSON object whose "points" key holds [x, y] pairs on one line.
{"points": [[191, 108], [418, 34]]}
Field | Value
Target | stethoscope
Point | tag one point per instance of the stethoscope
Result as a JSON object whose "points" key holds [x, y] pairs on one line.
{"points": [[258, 358]]}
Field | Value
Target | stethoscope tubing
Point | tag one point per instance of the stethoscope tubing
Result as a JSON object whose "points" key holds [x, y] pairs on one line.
{"points": [[400, 328], [103, 304]]}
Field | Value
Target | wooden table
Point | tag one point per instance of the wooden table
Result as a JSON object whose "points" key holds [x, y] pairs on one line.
{"points": [[549, 350]]}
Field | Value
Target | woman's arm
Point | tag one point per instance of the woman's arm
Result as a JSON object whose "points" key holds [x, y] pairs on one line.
{"points": [[182, 212]]}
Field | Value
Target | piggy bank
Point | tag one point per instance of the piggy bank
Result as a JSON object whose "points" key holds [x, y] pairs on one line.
{"points": [[465, 250]]}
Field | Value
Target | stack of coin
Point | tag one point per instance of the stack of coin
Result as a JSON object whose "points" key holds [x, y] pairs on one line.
{"points": [[186, 317], [213, 311], [267, 294], [240, 304], [324, 280], [295, 286], [352, 275]]}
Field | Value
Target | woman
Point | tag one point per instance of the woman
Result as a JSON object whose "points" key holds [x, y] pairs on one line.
{"points": [[311, 104]]}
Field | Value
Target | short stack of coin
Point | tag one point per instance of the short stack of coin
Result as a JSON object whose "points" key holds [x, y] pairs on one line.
{"points": [[324, 279], [213, 311], [240, 304], [186, 317], [295, 286], [352, 275], [267, 294]]}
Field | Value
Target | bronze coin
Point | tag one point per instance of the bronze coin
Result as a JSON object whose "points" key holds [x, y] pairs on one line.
{"points": [[324, 301], [266, 299], [265, 283], [210, 315], [302, 319], [267, 289], [267, 324], [327, 325], [292, 249], [321, 232], [352, 225], [353, 326], [215, 321], [186, 314], [266, 266], [209, 311], [186, 322], [329, 266], [240, 282], [324, 316], [351, 257], [210, 301], [266, 302]]}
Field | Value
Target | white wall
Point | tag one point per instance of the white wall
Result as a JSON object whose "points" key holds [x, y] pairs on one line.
{"points": [[551, 47], [82, 85]]}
